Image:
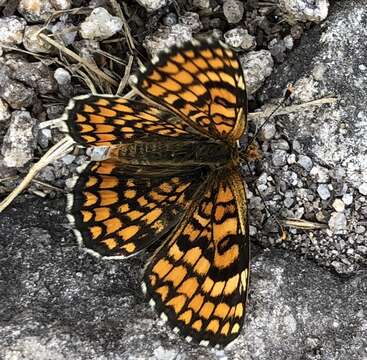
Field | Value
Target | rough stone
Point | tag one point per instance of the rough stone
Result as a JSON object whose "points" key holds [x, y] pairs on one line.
{"points": [[305, 162], [167, 36], [20, 140], [40, 10], [4, 112], [11, 30], [347, 199], [240, 38], [100, 25], [233, 11], [339, 205], [34, 43], [153, 5], [192, 20], [323, 191], [363, 188], [338, 223], [257, 66], [305, 10]]}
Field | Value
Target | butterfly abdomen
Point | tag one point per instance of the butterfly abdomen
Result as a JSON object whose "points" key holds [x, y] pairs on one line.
{"points": [[173, 154]]}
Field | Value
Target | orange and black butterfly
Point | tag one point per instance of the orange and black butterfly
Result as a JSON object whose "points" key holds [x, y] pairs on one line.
{"points": [[171, 177]]}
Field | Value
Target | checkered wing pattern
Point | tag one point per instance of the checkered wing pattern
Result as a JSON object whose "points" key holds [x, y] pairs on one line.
{"points": [[203, 83], [116, 213], [198, 280]]}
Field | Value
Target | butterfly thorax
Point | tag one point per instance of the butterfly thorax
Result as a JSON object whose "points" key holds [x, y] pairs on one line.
{"points": [[176, 153]]}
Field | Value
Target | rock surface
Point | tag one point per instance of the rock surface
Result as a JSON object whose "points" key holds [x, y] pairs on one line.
{"points": [[59, 303]]}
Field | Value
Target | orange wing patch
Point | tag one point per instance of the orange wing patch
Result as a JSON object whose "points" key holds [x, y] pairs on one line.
{"points": [[118, 214], [198, 280], [204, 84], [103, 120]]}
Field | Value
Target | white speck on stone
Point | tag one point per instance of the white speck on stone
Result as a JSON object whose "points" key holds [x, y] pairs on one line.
{"points": [[11, 30], [152, 5], [252, 230], [288, 42], [290, 323], [62, 76], [338, 223], [363, 188], [305, 162], [257, 66], [323, 191], [34, 43], [347, 199], [20, 140], [291, 159], [233, 11], [304, 10], [100, 25], [339, 205]]}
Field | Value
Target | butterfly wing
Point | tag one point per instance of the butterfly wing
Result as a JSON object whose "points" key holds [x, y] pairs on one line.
{"points": [[102, 120], [198, 279], [117, 213], [203, 83]]}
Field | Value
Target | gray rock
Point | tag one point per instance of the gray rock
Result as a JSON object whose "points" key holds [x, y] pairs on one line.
{"points": [[363, 188], [14, 92], [304, 10], [201, 4], [192, 20], [95, 309], [34, 43], [279, 158], [320, 174], [40, 10], [170, 19], [233, 11], [277, 49], [100, 25], [167, 36], [11, 30], [323, 191], [240, 38], [4, 112], [152, 5], [268, 131], [338, 223], [305, 162], [339, 205], [20, 140], [257, 66], [64, 32], [347, 199]]}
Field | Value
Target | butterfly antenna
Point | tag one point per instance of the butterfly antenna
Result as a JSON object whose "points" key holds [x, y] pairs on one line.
{"points": [[287, 94]]}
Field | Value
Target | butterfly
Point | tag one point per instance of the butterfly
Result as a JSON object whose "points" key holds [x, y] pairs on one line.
{"points": [[170, 177]]}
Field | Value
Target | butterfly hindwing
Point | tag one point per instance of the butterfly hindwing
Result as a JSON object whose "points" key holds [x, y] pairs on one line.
{"points": [[102, 120], [118, 213], [198, 279], [203, 83]]}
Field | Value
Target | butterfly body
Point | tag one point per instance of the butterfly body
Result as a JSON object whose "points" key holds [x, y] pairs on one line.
{"points": [[172, 177]]}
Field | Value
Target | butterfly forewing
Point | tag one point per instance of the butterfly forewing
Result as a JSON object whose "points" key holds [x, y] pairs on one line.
{"points": [[203, 83], [119, 213], [102, 120], [199, 278]]}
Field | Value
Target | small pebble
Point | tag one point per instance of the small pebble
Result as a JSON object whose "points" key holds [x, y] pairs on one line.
{"points": [[280, 144], [288, 42], [40, 10], [277, 49], [170, 19], [62, 76], [360, 229], [279, 158], [100, 25], [304, 10], [233, 11], [363, 188], [34, 43], [201, 4], [240, 38], [305, 162], [64, 31], [11, 30], [257, 66], [338, 223], [320, 174], [323, 191], [339, 205], [152, 5], [291, 159], [268, 131], [19, 140], [192, 20], [347, 199], [5, 114]]}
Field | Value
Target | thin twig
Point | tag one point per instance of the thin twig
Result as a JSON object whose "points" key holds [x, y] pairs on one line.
{"points": [[79, 59], [125, 79], [58, 150], [292, 108]]}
